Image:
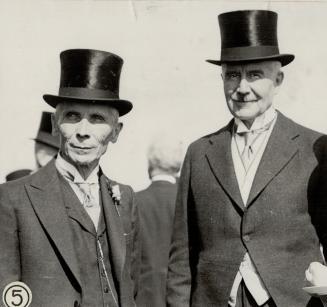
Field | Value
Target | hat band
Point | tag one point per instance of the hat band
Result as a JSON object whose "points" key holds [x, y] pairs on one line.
{"points": [[87, 93], [251, 52]]}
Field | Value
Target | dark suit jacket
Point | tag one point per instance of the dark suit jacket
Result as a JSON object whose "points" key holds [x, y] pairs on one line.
{"points": [[36, 240], [213, 229], [157, 208]]}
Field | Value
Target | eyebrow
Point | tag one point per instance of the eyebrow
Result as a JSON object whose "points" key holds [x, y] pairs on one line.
{"points": [[70, 111], [232, 71], [258, 71]]}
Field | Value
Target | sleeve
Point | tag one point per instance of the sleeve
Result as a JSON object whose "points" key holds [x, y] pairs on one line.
{"points": [[9, 245], [179, 272]]}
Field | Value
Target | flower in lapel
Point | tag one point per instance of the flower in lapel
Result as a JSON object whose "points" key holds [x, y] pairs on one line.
{"points": [[116, 195]]}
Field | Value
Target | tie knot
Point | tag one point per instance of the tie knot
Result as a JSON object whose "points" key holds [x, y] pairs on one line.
{"points": [[249, 137], [85, 188]]}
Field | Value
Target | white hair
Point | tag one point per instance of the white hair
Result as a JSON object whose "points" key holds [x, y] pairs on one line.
{"points": [[165, 155]]}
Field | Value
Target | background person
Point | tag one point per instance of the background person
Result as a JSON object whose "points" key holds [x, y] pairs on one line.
{"points": [[156, 208], [45, 148]]}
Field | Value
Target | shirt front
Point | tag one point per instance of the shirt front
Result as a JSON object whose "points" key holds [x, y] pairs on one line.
{"points": [[265, 123], [72, 175]]}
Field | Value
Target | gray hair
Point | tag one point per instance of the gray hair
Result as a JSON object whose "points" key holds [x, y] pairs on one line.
{"points": [[165, 156]]}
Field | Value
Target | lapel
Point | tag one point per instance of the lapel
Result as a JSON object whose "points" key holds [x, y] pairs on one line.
{"points": [[219, 156], [114, 228], [46, 198], [281, 148], [74, 207]]}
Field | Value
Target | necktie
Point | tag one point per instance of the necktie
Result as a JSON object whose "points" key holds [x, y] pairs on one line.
{"points": [[85, 188], [247, 153], [250, 138]]}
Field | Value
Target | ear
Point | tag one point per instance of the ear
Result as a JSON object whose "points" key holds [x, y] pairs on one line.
{"points": [[115, 132], [279, 78], [55, 129]]}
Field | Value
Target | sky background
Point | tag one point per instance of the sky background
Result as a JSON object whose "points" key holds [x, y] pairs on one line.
{"points": [[164, 45]]}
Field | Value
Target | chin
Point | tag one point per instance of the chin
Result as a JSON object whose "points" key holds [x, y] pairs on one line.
{"points": [[246, 114], [83, 160]]}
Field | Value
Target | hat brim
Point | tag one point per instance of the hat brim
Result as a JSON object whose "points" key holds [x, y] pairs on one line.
{"points": [[284, 59], [122, 106], [47, 139]]}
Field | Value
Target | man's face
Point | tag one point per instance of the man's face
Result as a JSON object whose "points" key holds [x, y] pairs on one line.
{"points": [[85, 131], [250, 88]]}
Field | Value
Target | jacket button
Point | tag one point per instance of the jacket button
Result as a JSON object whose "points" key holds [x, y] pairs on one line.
{"points": [[246, 238], [105, 289]]}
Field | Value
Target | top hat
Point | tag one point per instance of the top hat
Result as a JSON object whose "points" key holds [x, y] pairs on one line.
{"points": [[90, 76], [44, 134], [249, 36], [18, 174]]}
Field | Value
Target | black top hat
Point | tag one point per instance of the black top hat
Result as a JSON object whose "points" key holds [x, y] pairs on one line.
{"points": [[249, 36], [44, 133], [90, 76], [18, 174]]}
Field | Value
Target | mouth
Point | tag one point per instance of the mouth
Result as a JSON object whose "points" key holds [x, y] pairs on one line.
{"points": [[78, 147], [244, 101]]}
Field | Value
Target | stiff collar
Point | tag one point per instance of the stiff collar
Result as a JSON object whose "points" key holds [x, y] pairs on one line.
{"points": [[163, 177], [260, 122], [70, 172]]}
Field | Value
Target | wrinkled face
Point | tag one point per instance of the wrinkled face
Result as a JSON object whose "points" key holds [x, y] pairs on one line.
{"points": [[85, 131], [250, 88]]}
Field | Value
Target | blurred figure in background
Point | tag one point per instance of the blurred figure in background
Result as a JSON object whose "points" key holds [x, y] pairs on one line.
{"points": [[156, 208], [46, 147], [46, 144]]}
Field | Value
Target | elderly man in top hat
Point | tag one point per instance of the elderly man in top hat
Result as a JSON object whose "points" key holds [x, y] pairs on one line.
{"points": [[244, 229], [68, 232]]}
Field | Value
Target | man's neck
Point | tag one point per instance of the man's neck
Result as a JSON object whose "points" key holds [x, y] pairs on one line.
{"points": [[84, 170], [260, 120], [163, 177], [248, 123]]}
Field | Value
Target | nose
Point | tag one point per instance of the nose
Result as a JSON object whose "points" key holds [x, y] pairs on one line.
{"points": [[82, 129], [243, 87]]}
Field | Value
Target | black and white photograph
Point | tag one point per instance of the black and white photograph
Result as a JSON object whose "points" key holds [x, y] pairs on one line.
{"points": [[163, 153]]}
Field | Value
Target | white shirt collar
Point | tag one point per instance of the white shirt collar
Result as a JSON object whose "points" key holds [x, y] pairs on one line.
{"points": [[70, 172], [163, 177], [259, 122]]}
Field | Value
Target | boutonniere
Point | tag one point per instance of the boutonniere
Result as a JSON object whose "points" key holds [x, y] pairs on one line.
{"points": [[115, 194]]}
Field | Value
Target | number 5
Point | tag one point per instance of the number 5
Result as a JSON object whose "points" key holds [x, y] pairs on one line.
{"points": [[16, 293]]}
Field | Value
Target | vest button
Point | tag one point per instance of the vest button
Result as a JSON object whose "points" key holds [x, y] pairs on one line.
{"points": [[246, 238], [105, 289]]}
